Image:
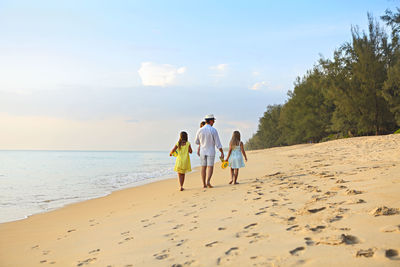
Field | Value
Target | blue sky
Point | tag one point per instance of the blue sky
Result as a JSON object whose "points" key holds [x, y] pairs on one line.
{"points": [[129, 75]]}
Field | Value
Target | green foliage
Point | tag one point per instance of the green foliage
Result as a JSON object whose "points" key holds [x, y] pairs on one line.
{"points": [[391, 90], [268, 131], [355, 93], [397, 132], [306, 116]]}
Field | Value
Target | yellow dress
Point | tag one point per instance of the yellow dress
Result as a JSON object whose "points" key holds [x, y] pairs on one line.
{"points": [[182, 164]]}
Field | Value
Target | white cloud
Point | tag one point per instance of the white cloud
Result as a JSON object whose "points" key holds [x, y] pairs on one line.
{"points": [[219, 70], [153, 74], [220, 67], [256, 73], [259, 85]]}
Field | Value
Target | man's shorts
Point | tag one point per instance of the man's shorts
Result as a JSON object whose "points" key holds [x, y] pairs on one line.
{"points": [[207, 160]]}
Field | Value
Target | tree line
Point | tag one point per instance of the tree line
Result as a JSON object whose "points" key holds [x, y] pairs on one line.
{"points": [[355, 93]]}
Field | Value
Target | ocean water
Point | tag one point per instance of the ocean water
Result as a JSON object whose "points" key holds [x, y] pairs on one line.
{"points": [[37, 181]]}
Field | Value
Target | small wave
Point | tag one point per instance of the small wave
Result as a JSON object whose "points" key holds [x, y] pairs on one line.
{"points": [[58, 199]]}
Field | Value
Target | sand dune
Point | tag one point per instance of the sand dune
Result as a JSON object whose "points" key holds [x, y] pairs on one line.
{"points": [[328, 204]]}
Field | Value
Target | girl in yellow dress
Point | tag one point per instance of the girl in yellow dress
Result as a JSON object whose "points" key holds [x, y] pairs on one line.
{"points": [[182, 164]]}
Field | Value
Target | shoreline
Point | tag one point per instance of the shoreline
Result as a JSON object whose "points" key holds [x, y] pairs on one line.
{"points": [[293, 205], [133, 185]]}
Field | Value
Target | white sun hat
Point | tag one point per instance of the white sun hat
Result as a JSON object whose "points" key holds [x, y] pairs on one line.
{"points": [[209, 117]]}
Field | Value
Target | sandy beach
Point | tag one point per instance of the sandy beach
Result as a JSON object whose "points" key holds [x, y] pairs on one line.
{"points": [[330, 204]]}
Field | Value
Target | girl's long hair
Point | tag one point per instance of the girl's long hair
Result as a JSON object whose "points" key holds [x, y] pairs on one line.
{"points": [[183, 138], [235, 141]]}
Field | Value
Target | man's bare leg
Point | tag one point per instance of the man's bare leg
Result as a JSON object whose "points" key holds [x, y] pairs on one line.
{"points": [[210, 173], [203, 175]]}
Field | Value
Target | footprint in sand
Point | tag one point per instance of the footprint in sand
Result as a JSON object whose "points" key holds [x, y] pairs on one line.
{"points": [[93, 222], [316, 229], [126, 236], [353, 192], [229, 251], [181, 242], [293, 227], [125, 240], [338, 240], [147, 225], [259, 260], [177, 226], [316, 210], [162, 255], [211, 244], [250, 226], [335, 218], [356, 201], [309, 241], [391, 228], [392, 254], [384, 211], [330, 193], [295, 252], [367, 253], [229, 256], [86, 262], [256, 237], [94, 251]]}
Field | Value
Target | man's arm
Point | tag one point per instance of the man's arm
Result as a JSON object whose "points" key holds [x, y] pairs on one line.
{"points": [[222, 153], [197, 139], [218, 142]]}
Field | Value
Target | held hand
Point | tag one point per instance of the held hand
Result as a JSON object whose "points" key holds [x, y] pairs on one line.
{"points": [[245, 159]]}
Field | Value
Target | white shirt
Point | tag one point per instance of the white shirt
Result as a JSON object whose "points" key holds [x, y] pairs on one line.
{"points": [[207, 137]]}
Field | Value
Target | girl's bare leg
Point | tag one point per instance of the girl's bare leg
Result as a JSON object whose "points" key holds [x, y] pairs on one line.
{"points": [[181, 179], [232, 174], [236, 176]]}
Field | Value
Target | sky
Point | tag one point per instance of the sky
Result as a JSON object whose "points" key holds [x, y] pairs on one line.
{"points": [[130, 75]]}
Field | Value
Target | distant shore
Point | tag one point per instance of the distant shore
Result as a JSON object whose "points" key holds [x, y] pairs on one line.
{"points": [[333, 203]]}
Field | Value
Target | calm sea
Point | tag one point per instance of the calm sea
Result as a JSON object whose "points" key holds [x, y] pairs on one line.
{"points": [[37, 181]]}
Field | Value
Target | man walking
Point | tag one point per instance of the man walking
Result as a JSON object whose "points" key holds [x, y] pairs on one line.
{"points": [[207, 137]]}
